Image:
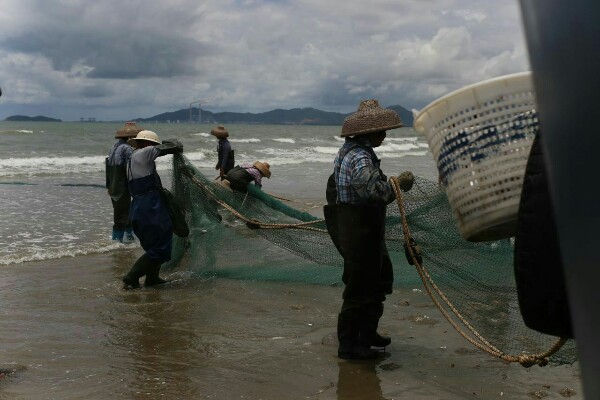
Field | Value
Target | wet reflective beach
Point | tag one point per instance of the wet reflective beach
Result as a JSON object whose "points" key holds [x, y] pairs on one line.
{"points": [[71, 332]]}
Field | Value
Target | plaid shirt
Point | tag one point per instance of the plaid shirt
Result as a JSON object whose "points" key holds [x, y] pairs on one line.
{"points": [[120, 153], [357, 175], [254, 172]]}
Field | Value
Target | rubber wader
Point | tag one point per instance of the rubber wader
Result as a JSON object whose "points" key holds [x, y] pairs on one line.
{"points": [[143, 266], [358, 233]]}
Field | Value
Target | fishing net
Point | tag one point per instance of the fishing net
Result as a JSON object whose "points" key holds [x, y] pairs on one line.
{"points": [[253, 236]]}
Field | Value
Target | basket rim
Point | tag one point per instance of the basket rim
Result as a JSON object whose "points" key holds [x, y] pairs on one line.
{"points": [[417, 114]]}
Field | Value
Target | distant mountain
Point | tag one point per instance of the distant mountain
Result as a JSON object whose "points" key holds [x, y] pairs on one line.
{"points": [[295, 116], [39, 118]]}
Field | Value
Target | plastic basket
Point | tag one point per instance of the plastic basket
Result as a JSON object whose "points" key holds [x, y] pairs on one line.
{"points": [[480, 137]]}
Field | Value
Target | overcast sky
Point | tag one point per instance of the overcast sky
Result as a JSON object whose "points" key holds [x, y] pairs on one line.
{"points": [[118, 60]]}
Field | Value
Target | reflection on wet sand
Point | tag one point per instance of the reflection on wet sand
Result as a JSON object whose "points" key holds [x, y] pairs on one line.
{"points": [[157, 337], [358, 380]]}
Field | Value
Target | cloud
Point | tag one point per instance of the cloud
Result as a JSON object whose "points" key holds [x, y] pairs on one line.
{"points": [[129, 58]]}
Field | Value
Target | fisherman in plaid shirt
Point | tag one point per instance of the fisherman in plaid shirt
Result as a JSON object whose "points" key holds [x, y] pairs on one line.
{"points": [[358, 177], [357, 197]]}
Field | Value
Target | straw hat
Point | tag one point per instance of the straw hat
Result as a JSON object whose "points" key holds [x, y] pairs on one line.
{"points": [[144, 135], [220, 132], [370, 117], [128, 131], [263, 167]]}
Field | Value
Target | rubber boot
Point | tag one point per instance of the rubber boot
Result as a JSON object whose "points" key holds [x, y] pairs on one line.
{"points": [[348, 337], [152, 277], [128, 237], [368, 328], [118, 235], [139, 269]]}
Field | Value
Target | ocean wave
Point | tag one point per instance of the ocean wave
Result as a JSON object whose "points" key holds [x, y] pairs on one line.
{"points": [[285, 140], [288, 152], [40, 254], [18, 131], [203, 134], [251, 140], [401, 139]]}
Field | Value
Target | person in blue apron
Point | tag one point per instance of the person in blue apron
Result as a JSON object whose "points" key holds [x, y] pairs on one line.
{"points": [[225, 155], [116, 181], [357, 195], [149, 213]]}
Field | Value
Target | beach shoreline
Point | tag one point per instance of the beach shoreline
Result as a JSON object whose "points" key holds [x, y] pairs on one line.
{"points": [[73, 332]]}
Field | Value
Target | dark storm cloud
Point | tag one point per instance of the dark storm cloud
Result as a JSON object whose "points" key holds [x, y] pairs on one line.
{"points": [[113, 55], [117, 56], [96, 91]]}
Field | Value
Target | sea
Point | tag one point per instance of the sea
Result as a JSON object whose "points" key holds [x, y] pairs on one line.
{"points": [[69, 330], [54, 202]]}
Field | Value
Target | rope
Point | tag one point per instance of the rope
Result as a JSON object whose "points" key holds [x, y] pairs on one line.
{"points": [[526, 360]]}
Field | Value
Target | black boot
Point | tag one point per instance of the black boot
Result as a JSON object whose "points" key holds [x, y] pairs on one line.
{"points": [[349, 346], [141, 267], [132, 279], [152, 277], [368, 328]]}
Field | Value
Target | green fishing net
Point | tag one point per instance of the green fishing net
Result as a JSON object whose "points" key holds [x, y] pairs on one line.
{"points": [[254, 236]]}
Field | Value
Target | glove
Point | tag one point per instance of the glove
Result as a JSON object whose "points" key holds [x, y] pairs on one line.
{"points": [[406, 180], [416, 250]]}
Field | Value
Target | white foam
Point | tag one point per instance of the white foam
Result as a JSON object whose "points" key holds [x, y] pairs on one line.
{"points": [[251, 140], [203, 134], [39, 254], [285, 140]]}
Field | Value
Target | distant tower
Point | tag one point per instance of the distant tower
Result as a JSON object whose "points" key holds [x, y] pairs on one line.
{"points": [[200, 102]]}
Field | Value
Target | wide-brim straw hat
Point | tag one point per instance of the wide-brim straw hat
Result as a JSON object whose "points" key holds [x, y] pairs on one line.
{"points": [[220, 132], [370, 117], [148, 136], [263, 167], [130, 130]]}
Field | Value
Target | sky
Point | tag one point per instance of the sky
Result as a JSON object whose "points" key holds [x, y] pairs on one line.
{"points": [[120, 60]]}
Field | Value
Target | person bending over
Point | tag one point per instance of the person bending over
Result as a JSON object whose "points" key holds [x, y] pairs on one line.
{"points": [[149, 213]]}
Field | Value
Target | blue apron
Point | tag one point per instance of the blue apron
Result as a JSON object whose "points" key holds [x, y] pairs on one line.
{"points": [[150, 217]]}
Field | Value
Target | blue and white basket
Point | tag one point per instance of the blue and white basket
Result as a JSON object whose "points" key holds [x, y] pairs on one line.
{"points": [[480, 137]]}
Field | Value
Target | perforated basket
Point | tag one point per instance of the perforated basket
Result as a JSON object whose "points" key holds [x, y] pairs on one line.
{"points": [[480, 137]]}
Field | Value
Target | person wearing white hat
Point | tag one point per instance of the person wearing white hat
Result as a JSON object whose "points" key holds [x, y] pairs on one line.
{"points": [[149, 213], [357, 197]]}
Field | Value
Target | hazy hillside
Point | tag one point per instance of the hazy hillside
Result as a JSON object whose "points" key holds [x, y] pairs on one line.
{"points": [[295, 116], [26, 118]]}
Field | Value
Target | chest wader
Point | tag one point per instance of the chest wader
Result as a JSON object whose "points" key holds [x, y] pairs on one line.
{"points": [[152, 225], [116, 183], [230, 162], [239, 179], [358, 232]]}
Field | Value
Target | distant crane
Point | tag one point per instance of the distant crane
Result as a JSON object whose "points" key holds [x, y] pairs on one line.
{"points": [[200, 102]]}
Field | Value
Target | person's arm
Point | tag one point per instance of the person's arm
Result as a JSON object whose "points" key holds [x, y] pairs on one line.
{"points": [[368, 183], [169, 146]]}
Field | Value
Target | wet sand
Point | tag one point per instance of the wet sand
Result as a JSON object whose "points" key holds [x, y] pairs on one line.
{"points": [[71, 332]]}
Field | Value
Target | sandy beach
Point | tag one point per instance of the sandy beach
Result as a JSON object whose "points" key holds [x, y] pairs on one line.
{"points": [[70, 332]]}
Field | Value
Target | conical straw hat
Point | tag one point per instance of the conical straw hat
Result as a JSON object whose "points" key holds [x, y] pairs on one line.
{"points": [[263, 167], [370, 117], [128, 131], [220, 132]]}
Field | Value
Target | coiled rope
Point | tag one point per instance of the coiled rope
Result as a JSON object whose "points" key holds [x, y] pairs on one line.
{"points": [[526, 360]]}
